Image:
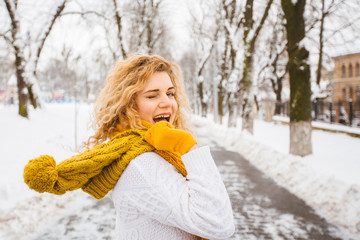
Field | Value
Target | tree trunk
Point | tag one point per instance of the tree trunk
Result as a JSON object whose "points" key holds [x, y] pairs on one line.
{"points": [[25, 88], [22, 95], [35, 102], [201, 82], [321, 41], [247, 95], [220, 102], [215, 100], [203, 105], [22, 91], [232, 106], [247, 86], [278, 96], [300, 138], [224, 76], [118, 19], [299, 71], [300, 102]]}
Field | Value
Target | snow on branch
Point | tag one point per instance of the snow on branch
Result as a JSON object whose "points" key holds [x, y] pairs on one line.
{"points": [[60, 8]]}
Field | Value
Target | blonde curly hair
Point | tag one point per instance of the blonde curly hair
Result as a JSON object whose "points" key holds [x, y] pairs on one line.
{"points": [[116, 102]]}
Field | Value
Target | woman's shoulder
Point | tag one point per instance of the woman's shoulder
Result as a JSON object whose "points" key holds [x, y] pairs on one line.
{"points": [[152, 165], [146, 169], [146, 156], [148, 161]]}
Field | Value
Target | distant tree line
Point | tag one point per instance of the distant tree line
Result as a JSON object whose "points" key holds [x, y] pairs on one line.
{"points": [[236, 52]]}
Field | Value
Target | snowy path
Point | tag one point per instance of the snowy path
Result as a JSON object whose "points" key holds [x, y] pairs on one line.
{"points": [[263, 209]]}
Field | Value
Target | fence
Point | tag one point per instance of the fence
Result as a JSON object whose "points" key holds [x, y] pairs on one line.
{"points": [[347, 113]]}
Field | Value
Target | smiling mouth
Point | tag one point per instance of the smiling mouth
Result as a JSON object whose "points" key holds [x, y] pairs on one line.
{"points": [[165, 117]]}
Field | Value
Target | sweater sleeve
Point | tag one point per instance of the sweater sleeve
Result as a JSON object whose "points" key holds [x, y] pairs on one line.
{"points": [[204, 206], [198, 204]]}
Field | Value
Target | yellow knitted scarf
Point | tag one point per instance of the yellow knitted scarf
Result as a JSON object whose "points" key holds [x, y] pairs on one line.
{"points": [[96, 170]]}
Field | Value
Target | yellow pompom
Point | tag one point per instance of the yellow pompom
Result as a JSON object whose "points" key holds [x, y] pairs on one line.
{"points": [[40, 174]]}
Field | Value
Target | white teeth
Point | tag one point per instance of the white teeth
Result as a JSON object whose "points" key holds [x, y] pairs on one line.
{"points": [[163, 116]]}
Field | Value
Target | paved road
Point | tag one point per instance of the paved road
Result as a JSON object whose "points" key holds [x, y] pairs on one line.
{"points": [[263, 209]]}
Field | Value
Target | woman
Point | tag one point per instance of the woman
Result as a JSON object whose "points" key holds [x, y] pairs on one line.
{"points": [[163, 185]]}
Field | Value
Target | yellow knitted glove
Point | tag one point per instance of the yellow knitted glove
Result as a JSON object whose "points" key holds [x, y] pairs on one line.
{"points": [[163, 136]]}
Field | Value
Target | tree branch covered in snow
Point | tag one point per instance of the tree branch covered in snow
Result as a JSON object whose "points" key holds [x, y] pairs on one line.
{"points": [[5, 37], [84, 13], [119, 28], [59, 10]]}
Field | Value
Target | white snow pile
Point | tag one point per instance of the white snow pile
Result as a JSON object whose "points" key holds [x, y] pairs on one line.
{"points": [[23, 212], [328, 180]]}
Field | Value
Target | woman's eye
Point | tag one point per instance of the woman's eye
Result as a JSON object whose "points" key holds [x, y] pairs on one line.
{"points": [[171, 94], [150, 97]]}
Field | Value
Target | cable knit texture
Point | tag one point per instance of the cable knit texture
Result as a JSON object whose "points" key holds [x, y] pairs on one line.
{"points": [[154, 201], [96, 170]]}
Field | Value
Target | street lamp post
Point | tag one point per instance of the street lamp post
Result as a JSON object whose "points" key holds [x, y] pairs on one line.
{"points": [[350, 112]]}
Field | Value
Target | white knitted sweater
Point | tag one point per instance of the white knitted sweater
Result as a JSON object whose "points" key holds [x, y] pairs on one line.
{"points": [[154, 201]]}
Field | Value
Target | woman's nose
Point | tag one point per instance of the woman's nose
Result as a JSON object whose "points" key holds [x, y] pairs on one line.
{"points": [[164, 101]]}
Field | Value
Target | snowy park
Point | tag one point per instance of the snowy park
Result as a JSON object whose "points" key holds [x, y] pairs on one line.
{"points": [[327, 180], [275, 84]]}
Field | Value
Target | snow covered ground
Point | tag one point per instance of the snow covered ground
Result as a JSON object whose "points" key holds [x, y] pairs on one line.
{"points": [[327, 180], [49, 131]]}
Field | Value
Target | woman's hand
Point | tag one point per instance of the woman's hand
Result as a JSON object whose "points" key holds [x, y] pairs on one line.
{"points": [[163, 136]]}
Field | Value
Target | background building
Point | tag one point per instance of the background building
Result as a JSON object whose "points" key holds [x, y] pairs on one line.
{"points": [[346, 88]]}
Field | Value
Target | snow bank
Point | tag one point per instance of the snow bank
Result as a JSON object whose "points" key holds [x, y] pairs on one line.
{"points": [[48, 131], [34, 215], [23, 212]]}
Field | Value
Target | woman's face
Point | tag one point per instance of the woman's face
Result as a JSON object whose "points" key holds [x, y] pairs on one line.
{"points": [[157, 101]]}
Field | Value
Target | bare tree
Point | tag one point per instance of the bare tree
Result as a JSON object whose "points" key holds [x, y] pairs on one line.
{"points": [[251, 33], [119, 24], [299, 71], [341, 16], [26, 67], [321, 41], [145, 24], [204, 32], [229, 21], [275, 68], [110, 17]]}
